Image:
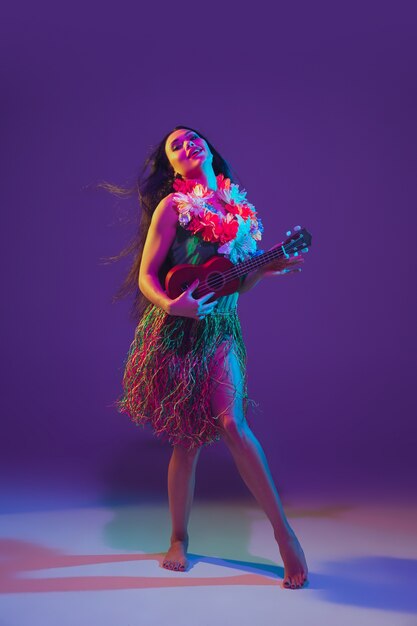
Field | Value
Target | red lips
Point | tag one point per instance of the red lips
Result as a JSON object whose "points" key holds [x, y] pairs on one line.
{"points": [[194, 151]]}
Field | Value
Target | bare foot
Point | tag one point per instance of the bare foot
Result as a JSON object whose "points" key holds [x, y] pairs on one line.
{"points": [[176, 558], [295, 565]]}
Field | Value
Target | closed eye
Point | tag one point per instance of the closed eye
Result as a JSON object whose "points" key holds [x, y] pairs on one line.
{"points": [[178, 145]]}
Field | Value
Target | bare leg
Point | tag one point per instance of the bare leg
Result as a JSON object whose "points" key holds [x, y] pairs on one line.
{"points": [[181, 483], [253, 467]]}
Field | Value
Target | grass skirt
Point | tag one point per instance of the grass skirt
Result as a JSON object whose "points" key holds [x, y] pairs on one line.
{"points": [[167, 381]]}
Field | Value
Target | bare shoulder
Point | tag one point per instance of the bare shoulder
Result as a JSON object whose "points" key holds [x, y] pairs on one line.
{"points": [[166, 210], [160, 235]]}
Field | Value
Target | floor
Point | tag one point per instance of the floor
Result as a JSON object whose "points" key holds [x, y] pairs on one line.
{"points": [[75, 565]]}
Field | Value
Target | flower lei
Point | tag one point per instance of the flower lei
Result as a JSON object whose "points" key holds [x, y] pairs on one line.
{"points": [[238, 231]]}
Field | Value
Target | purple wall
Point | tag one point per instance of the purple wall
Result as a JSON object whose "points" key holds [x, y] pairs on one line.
{"points": [[315, 107]]}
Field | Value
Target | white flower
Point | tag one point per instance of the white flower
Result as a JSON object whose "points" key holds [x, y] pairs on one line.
{"points": [[234, 194], [189, 204]]}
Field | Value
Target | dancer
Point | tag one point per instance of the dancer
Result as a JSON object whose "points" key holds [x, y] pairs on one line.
{"points": [[185, 372]]}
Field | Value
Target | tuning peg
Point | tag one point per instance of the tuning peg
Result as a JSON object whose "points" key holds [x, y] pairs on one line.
{"points": [[297, 227], [288, 233], [304, 250]]}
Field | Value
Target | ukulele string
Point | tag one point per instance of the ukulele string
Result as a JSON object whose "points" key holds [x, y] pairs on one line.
{"points": [[232, 272], [227, 276]]}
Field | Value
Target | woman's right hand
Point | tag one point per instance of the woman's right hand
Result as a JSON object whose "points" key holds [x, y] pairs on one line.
{"points": [[187, 306]]}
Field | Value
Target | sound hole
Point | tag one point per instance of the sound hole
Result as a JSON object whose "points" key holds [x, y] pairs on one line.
{"points": [[215, 281]]}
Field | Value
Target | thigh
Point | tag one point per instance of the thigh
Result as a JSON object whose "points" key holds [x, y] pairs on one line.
{"points": [[227, 386]]}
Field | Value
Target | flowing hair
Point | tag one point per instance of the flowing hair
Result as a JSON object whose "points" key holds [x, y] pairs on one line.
{"points": [[154, 182]]}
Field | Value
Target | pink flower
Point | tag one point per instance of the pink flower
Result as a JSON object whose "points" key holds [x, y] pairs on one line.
{"points": [[222, 182], [232, 207], [210, 222], [246, 212], [195, 225], [229, 231]]}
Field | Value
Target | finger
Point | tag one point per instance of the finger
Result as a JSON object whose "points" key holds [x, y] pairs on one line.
{"points": [[288, 270], [289, 263], [207, 296], [206, 310], [193, 284]]}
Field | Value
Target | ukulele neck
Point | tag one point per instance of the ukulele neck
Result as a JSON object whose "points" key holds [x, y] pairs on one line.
{"points": [[243, 268]]}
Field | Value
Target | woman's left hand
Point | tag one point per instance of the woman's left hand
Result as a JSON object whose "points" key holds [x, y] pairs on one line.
{"points": [[283, 266]]}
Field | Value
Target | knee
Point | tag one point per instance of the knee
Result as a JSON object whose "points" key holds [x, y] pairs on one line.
{"points": [[234, 427]]}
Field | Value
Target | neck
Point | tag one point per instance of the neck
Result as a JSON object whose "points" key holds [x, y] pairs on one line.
{"points": [[205, 176]]}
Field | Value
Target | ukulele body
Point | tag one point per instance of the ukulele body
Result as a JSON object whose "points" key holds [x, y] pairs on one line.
{"points": [[212, 275]]}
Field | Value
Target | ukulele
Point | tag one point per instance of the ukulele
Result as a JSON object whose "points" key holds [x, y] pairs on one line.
{"points": [[220, 275]]}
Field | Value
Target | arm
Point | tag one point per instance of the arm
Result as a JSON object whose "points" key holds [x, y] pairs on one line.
{"points": [[160, 236], [250, 280]]}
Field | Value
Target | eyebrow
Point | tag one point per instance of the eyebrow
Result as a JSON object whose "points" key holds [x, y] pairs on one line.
{"points": [[189, 132]]}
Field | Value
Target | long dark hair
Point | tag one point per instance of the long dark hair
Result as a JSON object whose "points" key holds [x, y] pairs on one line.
{"points": [[151, 188]]}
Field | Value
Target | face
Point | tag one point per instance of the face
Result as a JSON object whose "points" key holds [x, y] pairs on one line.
{"points": [[187, 152]]}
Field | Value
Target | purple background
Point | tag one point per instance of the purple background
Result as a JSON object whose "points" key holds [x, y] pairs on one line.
{"points": [[314, 105]]}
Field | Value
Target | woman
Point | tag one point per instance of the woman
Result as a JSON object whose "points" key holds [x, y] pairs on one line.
{"points": [[185, 371]]}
